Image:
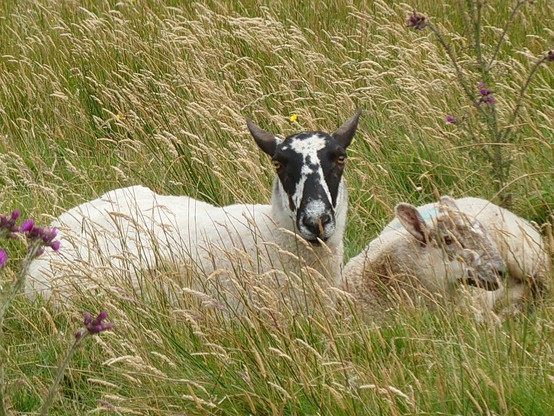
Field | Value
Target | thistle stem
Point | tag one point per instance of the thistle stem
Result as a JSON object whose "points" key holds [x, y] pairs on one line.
{"points": [[19, 283], [59, 373], [448, 50], [14, 290], [519, 99], [504, 31], [478, 51]]}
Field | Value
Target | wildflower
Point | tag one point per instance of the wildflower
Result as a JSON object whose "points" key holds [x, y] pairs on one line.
{"points": [[91, 327], [550, 56], [482, 90], [486, 95], [3, 257], [489, 99], [46, 234], [417, 21], [449, 118], [27, 225], [8, 224], [293, 117], [94, 326]]}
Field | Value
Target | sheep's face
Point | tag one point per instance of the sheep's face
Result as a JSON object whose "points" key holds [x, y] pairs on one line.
{"points": [[459, 245], [466, 243], [309, 167]]}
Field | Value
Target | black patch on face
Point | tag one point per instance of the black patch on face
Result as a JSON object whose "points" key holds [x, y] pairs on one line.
{"points": [[291, 163], [332, 169], [289, 172]]}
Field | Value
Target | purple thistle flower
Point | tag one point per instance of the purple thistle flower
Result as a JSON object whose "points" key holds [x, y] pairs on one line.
{"points": [[55, 245], [46, 234], [96, 325], [3, 257], [417, 21], [8, 223], [484, 91], [449, 118], [486, 94], [27, 225]]}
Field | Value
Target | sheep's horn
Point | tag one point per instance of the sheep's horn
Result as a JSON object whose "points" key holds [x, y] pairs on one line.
{"points": [[345, 132], [265, 140]]}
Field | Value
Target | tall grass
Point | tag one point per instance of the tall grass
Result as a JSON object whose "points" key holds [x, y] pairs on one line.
{"points": [[96, 95]]}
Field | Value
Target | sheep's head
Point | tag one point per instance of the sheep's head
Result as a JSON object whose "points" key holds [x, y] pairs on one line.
{"points": [[309, 167], [460, 241]]}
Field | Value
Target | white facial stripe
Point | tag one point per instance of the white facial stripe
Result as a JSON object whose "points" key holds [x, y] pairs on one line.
{"points": [[308, 145], [311, 165]]}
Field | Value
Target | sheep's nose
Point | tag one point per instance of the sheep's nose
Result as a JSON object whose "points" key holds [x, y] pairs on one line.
{"points": [[487, 284], [324, 220], [490, 285], [316, 225], [502, 273]]}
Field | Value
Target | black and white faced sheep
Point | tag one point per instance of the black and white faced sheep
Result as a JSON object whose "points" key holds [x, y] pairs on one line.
{"points": [[132, 229], [433, 249]]}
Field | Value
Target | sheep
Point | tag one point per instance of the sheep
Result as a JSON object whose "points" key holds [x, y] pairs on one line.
{"points": [[133, 229], [431, 249]]}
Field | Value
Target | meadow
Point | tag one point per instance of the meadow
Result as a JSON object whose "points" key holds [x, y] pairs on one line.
{"points": [[96, 95]]}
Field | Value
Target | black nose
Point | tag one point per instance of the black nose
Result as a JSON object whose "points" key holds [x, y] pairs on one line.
{"points": [[316, 225], [325, 219], [489, 284]]}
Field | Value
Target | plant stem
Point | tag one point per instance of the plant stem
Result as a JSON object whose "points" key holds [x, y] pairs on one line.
{"points": [[59, 373], [478, 51], [12, 293], [519, 99], [19, 283], [504, 31], [448, 50], [3, 409]]}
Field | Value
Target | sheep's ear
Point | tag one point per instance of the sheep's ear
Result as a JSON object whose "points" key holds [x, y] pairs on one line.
{"points": [[412, 221], [265, 140], [345, 133]]}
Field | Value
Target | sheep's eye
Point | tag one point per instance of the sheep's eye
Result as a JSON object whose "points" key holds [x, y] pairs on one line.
{"points": [[448, 240], [278, 165], [341, 160]]}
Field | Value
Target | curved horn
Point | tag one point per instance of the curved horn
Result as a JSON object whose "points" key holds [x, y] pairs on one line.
{"points": [[345, 133], [265, 140]]}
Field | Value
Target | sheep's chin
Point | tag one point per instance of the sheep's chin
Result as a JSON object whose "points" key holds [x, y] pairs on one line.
{"points": [[316, 242]]}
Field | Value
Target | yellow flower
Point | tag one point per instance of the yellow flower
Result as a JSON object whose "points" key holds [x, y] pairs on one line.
{"points": [[293, 117]]}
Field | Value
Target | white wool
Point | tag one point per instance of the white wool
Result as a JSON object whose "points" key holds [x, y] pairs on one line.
{"points": [[396, 260], [237, 251], [132, 229]]}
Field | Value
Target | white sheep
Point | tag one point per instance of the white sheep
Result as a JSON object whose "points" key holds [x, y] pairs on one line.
{"points": [[430, 250], [127, 231]]}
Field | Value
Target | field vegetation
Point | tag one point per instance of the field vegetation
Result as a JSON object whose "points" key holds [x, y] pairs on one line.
{"points": [[96, 95]]}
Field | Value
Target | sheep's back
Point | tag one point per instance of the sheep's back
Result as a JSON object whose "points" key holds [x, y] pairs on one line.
{"points": [[132, 229], [518, 241]]}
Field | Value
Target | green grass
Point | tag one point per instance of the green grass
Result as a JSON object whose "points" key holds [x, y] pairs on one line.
{"points": [[107, 94]]}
